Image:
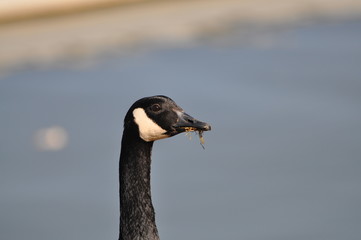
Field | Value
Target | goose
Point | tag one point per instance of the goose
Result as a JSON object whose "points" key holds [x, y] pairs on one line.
{"points": [[148, 119]]}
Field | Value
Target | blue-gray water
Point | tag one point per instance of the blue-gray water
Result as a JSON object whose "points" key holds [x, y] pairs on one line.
{"points": [[283, 160]]}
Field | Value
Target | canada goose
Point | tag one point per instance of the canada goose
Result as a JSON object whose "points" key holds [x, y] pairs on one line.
{"points": [[147, 120]]}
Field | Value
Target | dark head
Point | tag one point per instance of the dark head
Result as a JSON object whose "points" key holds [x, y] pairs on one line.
{"points": [[160, 117]]}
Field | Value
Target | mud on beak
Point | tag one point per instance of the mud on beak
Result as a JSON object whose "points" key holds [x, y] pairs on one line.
{"points": [[188, 123]]}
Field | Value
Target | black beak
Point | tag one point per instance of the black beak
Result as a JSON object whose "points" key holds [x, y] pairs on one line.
{"points": [[188, 123]]}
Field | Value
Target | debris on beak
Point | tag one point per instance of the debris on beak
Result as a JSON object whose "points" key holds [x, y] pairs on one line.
{"points": [[199, 132], [188, 124]]}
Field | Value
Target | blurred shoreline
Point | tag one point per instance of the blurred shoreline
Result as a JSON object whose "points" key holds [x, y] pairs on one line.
{"points": [[90, 32], [23, 10]]}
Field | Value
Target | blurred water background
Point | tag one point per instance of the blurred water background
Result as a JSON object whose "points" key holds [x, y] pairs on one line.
{"points": [[283, 159]]}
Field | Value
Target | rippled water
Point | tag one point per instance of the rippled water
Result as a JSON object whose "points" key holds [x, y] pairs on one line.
{"points": [[283, 159]]}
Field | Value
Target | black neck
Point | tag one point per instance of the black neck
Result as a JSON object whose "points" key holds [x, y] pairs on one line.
{"points": [[137, 219]]}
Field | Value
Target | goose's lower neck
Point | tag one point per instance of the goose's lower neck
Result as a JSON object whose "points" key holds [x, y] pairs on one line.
{"points": [[137, 220]]}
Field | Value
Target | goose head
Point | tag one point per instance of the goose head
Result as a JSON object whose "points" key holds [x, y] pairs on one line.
{"points": [[159, 117]]}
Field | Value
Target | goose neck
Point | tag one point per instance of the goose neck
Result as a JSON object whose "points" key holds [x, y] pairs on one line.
{"points": [[137, 220]]}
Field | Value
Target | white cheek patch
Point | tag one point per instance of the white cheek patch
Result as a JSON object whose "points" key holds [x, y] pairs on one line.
{"points": [[148, 129]]}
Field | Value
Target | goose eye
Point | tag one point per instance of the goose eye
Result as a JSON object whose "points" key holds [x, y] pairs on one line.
{"points": [[155, 108]]}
